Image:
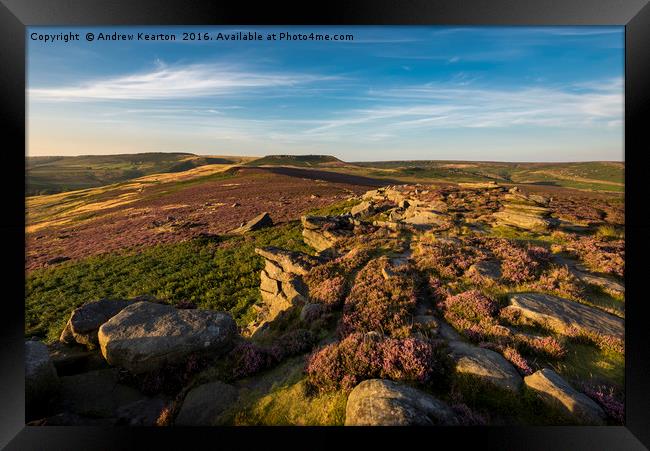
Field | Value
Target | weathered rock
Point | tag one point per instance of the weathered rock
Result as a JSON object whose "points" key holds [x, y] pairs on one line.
{"points": [[560, 314], [96, 393], [486, 269], [290, 261], [41, 380], [558, 393], [85, 321], [378, 402], [143, 412], [606, 283], [522, 219], [424, 216], [485, 364], [74, 359], [363, 209], [258, 222], [146, 336], [268, 284], [204, 405]]}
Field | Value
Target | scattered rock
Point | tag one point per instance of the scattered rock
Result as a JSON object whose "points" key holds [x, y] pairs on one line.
{"points": [[485, 364], [487, 269], [204, 405], [145, 336], [75, 359], [560, 314], [480, 185], [258, 222], [85, 321], [378, 402], [558, 393], [363, 209]]}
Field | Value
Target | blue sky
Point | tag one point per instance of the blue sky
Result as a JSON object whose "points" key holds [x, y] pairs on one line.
{"points": [[449, 93]]}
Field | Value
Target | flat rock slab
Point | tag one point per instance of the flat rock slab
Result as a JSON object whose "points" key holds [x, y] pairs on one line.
{"points": [[362, 209], [96, 393], [75, 359], [146, 336], [85, 321], [560, 314], [557, 392], [486, 269], [204, 404], [485, 364], [379, 402], [290, 261]]}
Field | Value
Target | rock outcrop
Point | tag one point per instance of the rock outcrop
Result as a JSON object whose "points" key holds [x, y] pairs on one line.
{"points": [[525, 212], [205, 404], [557, 392], [561, 314], [323, 232], [484, 364], [146, 336], [85, 321], [379, 402]]}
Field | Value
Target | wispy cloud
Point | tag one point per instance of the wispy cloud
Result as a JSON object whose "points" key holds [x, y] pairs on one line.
{"points": [[176, 82]]}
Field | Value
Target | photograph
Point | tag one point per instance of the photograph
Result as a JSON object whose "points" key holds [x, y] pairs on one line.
{"points": [[378, 225]]}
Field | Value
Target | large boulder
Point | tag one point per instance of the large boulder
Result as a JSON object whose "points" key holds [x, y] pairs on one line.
{"points": [[561, 314], [41, 380], [75, 358], [146, 336], [258, 222], [557, 392], [84, 322], [205, 404], [379, 402], [484, 364]]}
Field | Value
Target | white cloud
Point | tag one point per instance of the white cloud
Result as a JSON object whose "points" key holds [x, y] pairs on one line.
{"points": [[164, 82]]}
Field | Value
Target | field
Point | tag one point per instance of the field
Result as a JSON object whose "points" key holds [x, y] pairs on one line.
{"points": [[404, 271]]}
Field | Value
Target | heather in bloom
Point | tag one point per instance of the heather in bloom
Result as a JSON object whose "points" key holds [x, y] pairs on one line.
{"points": [[560, 281], [448, 259], [380, 304], [605, 396], [604, 342], [359, 356], [512, 355]]}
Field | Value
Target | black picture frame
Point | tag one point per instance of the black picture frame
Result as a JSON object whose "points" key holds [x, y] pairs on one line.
{"points": [[15, 15]]}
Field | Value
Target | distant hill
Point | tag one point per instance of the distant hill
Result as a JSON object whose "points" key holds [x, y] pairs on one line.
{"points": [[298, 160], [49, 175]]}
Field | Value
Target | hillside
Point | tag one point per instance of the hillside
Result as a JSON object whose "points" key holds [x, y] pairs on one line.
{"points": [[50, 175], [298, 160]]}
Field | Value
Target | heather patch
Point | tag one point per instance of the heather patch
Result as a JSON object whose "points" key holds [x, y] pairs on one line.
{"points": [[381, 304], [359, 356]]}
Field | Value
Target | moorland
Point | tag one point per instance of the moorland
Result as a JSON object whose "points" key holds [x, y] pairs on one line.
{"points": [[176, 289]]}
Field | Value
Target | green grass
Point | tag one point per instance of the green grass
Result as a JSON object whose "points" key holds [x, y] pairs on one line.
{"points": [[220, 274], [585, 362], [49, 175]]}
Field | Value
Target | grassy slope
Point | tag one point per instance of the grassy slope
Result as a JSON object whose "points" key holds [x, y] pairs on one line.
{"points": [[48, 175], [220, 274], [297, 160]]}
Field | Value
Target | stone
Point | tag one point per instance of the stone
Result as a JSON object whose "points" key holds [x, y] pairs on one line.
{"points": [[379, 402], [404, 204], [365, 208], [480, 185], [486, 269], [258, 222], [424, 216], [75, 359], [560, 314], [145, 336], [41, 380], [522, 219], [606, 283], [485, 364], [318, 240], [290, 261], [96, 393], [557, 392], [84, 322], [268, 284], [204, 405], [143, 412]]}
